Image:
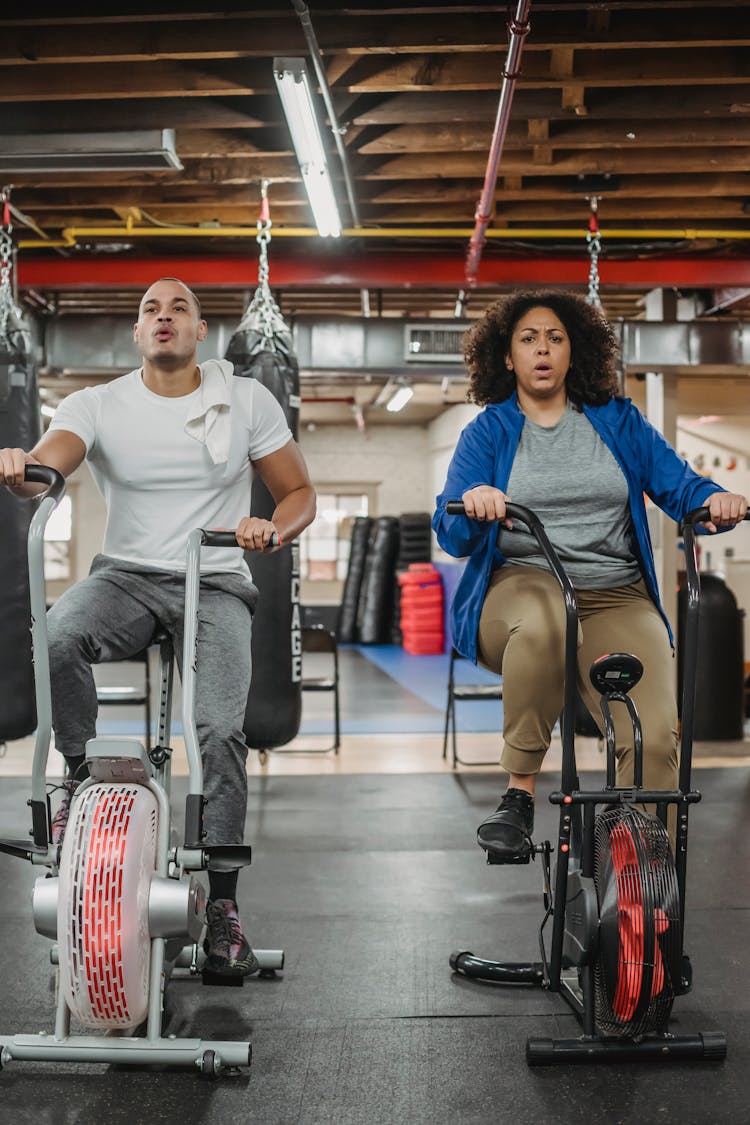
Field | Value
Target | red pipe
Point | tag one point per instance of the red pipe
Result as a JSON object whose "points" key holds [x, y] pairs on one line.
{"points": [[518, 28], [379, 271]]}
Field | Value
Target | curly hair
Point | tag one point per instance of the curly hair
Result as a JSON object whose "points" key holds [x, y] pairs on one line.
{"points": [[592, 377]]}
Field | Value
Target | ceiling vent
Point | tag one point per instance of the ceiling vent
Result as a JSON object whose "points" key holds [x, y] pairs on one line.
{"points": [[138, 150], [434, 343]]}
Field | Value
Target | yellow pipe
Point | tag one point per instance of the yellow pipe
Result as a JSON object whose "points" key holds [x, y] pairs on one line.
{"points": [[71, 235]]}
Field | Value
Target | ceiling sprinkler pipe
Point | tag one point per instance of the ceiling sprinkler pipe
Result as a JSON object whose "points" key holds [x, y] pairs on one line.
{"points": [[518, 27]]}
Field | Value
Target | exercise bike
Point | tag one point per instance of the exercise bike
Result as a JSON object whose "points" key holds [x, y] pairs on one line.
{"points": [[617, 901], [120, 899]]}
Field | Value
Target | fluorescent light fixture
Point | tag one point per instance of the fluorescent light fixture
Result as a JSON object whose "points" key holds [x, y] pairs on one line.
{"points": [[293, 83], [48, 411], [136, 150], [399, 398]]}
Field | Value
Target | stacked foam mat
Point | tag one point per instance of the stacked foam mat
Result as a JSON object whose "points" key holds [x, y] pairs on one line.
{"points": [[414, 546], [421, 610]]}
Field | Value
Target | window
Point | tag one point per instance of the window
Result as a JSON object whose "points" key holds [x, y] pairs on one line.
{"points": [[57, 536], [324, 546]]}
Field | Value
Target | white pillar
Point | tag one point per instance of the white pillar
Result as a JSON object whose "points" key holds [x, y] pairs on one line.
{"points": [[661, 411]]}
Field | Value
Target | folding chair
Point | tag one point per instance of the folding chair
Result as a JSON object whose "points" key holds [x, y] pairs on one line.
{"points": [[319, 639], [460, 692]]}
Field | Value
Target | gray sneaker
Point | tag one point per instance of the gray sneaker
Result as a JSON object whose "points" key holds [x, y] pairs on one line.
{"points": [[61, 817], [227, 949]]}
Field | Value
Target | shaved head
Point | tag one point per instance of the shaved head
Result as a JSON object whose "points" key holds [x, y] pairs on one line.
{"points": [[187, 289]]}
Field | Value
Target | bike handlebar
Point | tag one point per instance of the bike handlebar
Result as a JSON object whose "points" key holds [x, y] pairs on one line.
{"points": [[702, 515], [228, 539], [43, 474], [516, 511], [513, 511]]}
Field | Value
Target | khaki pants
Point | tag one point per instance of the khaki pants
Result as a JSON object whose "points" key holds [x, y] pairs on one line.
{"points": [[521, 635]]}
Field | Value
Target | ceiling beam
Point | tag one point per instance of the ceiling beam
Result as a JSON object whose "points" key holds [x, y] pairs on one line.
{"points": [[475, 137], [458, 70], [102, 81], [377, 270], [439, 107], [404, 29]]}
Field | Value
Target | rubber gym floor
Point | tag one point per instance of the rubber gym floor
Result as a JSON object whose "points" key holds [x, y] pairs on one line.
{"points": [[366, 871]]}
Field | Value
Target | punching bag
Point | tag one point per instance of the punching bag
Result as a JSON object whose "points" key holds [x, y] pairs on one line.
{"points": [[347, 627], [19, 427], [261, 348], [375, 609]]}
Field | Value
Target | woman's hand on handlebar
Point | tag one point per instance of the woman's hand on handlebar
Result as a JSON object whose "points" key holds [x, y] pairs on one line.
{"points": [[726, 508], [254, 534], [12, 465], [486, 503]]}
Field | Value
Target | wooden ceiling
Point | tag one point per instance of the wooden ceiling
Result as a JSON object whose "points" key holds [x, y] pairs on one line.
{"points": [[645, 106]]}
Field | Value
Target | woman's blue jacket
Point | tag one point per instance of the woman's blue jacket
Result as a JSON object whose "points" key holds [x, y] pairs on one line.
{"points": [[484, 455]]}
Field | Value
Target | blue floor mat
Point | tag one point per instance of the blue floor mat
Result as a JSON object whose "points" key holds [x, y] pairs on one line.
{"points": [[384, 690]]}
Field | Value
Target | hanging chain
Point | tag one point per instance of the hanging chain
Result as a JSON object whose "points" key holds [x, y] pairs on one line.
{"points": [[594, 247], [263, 303]]}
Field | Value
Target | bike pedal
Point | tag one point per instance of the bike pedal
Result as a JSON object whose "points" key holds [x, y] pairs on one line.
{"points": [[225, 980], [498, 861]]}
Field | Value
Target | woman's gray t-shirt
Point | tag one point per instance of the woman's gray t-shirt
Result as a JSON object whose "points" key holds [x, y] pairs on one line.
{"points": [[569, 478]]}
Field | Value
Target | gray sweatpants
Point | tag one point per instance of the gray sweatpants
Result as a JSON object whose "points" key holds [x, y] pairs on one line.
{"points": [[111, 615]]}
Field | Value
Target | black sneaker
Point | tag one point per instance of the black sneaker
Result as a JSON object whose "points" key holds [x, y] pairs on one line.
{"points": [[506, 834], [227, 949]]}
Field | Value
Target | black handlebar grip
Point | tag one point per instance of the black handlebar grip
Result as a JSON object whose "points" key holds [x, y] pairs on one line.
{"points": [[512, 511], [702, 515], [227, 539], [43, 474]]}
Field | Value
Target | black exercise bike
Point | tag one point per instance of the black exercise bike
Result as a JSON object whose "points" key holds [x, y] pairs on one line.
{"points": [[618, 901]]}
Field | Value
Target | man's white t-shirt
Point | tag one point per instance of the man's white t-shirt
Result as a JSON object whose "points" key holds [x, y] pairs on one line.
{"points": [[159, 482]]}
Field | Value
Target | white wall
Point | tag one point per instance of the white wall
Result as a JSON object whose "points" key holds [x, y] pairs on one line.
{"points": [[393, 460], [391, 463], [443, 435], [711, 448]]}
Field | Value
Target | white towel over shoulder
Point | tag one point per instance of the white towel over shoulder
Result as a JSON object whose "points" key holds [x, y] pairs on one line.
{"points": [[208, 421]]}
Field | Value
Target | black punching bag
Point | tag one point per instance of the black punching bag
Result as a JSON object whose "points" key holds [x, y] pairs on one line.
{"points": [[19, 427], [261, 348]]}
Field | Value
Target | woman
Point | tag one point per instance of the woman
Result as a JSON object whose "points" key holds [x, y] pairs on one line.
{"points": [[557, 436]]}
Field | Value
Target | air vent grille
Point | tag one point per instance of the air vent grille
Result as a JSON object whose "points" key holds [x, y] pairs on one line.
{"points": [[434, 343]]}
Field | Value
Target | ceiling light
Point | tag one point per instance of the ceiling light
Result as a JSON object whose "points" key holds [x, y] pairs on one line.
{"points": [[47, 410], [137, 150], [399, 398], [293, 83]]}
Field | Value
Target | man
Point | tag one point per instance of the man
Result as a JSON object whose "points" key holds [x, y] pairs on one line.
{"points": [[171, 447]]}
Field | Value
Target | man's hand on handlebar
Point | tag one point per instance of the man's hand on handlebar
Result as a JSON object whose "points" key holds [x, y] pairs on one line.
{"points": [[12, 465], [255, 535], [486, 503], [727, 509]]}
